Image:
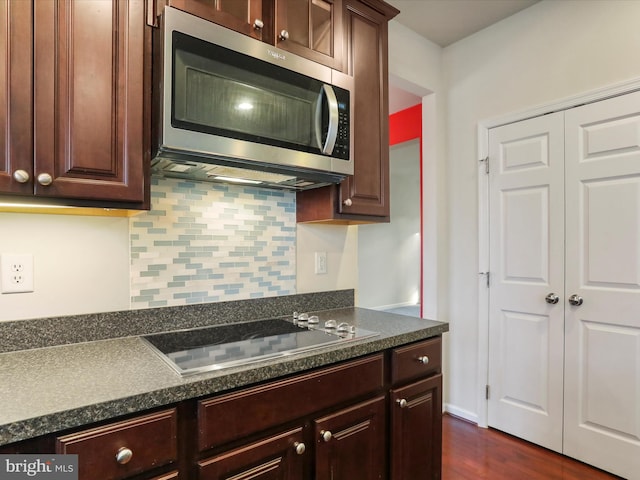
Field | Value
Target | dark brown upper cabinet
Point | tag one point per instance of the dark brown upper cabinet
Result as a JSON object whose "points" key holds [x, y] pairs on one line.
{"points": [[75, 109], [309, 28], [364, 196], [244, 16]]}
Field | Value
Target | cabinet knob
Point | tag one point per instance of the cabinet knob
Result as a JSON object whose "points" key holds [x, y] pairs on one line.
{"points": [[347, 202], [284, 35], [258, 24], [45, 179], [299, 448], [326, 435], [124, 455], [423, 360], [402, 403], [21, 176]]}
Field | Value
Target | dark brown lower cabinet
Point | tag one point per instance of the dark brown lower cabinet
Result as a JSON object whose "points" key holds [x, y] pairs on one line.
{"points": [[277, 457], [416, 430], [351, 443]]}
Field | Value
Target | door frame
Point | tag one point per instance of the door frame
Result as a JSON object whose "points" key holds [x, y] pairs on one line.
{"points": [[483, 215]]}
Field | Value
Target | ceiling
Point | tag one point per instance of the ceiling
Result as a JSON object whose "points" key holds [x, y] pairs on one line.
{"points": [[445, 22]]}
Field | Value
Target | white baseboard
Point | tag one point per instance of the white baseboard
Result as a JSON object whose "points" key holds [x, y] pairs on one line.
{"points": [[460, 412], [394, 305]]}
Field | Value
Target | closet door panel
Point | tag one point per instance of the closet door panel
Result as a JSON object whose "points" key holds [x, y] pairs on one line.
{"points": [[526, 334], [602, 369]]}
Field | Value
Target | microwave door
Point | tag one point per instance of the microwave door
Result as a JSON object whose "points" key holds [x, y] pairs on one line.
{"points": [[326, 97]]}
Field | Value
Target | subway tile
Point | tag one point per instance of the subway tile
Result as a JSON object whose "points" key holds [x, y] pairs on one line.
{"points": [[209, 243]]}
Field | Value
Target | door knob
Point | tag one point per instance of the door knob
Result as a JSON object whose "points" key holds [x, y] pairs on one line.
{"points": [[575, 300], [552, 298]]}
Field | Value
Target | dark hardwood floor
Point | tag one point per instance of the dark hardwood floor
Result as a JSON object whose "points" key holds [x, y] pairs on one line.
{"points": [[469, 452]]}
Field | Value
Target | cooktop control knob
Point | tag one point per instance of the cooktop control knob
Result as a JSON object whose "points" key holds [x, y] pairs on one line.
{"points": [[344, 327], [330, 324], [313, 319], [303, 317]]}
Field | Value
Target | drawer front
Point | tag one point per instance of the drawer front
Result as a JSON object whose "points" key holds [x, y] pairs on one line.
{"points": [[416, 360], [150, 438], [242, 413]]}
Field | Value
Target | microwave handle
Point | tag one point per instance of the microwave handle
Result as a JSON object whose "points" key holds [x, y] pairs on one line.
{"points": [[332, 129]]}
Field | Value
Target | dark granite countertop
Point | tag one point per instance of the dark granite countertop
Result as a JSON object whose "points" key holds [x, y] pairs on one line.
{"points": [[66, 385]]}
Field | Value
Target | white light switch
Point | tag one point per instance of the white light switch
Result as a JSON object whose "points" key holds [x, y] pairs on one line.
{"points": [[321, 263]]}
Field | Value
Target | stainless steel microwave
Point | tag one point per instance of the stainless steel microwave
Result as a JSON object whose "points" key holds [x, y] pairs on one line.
{"points": [[233, 109]]}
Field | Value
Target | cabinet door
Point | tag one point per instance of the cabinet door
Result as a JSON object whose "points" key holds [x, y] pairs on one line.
{"points": [[279, 457], [416, 430], [367, 191], [90, 99], [350, 443], [16, 141], [244, 16], [312, 29]]}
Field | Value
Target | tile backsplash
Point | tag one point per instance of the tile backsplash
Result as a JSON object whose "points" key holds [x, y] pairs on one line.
{"points": [[206, 242]]}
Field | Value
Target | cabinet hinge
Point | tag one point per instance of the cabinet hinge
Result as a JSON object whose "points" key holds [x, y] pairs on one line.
{"points": [[486, 164], [486, 392], [487, 276]]}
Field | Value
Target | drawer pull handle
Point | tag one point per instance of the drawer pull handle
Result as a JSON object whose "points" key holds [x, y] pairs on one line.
{"points": [[402, 403], [423, 360], [124, 455], [326, 435], [299, 448]]}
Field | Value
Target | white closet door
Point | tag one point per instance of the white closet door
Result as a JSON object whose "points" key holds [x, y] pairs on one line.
{"points": [[602, 369], [526, 334]]}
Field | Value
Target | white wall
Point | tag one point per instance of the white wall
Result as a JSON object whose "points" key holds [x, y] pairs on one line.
{"points": [[548, 52], [81, 264], [389, 253], [341, 246]]}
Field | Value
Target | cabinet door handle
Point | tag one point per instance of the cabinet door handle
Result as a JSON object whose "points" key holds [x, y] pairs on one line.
{"points": [[348, 202], [284, 35], [326, 435], [402, 403], [423, 359], [45, 179], [123, 455], [258, 24], [21, 176], [299, 447]]}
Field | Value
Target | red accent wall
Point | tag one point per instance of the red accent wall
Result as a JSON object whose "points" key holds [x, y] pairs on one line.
{"points": [[406, 125]]}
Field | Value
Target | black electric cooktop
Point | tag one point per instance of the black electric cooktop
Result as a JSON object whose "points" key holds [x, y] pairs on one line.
{"points": [[213, 348]]}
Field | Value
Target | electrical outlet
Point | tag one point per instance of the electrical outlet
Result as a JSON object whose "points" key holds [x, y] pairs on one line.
{"points": [[321, 262], [16, 273]]}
